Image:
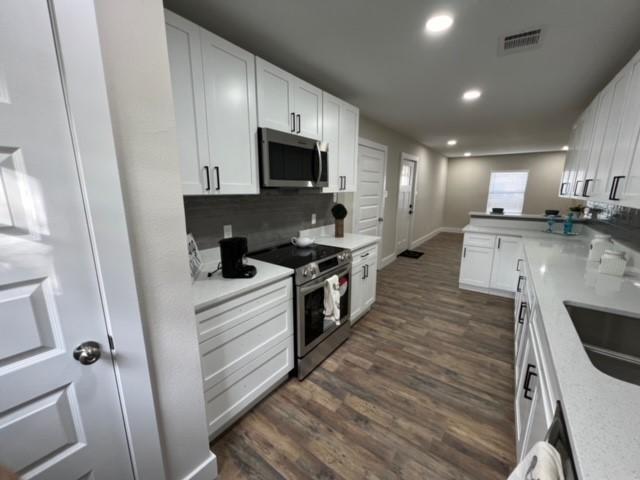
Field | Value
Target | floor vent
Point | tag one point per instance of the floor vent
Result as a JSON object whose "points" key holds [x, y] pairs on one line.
{"points": [[520, 41]]}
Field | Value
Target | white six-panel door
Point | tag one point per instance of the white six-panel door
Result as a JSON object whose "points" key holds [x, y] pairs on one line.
{"points": [[370, 193], [59, 419]]}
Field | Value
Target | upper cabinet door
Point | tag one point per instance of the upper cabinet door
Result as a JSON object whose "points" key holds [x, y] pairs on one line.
{"points": [[596, 137], [349, 127], [229, 76], [618, 93], [331, 138], [307, 106], [183, 42], [626, 163], [275, 97]]}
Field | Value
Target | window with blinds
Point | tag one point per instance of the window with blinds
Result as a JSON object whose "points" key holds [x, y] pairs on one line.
{"points": [[506, 190]]}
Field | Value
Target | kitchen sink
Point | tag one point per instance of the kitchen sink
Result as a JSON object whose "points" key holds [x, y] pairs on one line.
{"points": [[611, 340]]}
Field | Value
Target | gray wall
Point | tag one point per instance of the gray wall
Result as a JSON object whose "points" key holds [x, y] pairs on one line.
{"points": [[134, 50], [430, 183], [468, 184], [268, 219]]}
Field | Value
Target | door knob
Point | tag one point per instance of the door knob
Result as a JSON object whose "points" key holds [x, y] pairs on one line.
{"points": [[87, 353], [380, 219]]}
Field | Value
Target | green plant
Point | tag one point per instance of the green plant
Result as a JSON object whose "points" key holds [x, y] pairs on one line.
{"points": [[339, 211]]}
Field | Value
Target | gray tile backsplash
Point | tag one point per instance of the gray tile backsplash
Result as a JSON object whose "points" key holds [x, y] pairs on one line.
{"points": [[268, 219], [622, 223]]}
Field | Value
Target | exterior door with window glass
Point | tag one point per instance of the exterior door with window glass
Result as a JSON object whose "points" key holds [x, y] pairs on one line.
{"points": [[506, 191], [405, 204]]}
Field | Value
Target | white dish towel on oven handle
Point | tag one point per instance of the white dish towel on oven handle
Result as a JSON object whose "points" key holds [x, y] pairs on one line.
{"points": [[332, 299], [542, 462]]}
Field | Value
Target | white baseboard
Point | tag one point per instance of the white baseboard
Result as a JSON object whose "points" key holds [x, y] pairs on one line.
{"points": [[388, 260], [450, 230], [207, 470]]}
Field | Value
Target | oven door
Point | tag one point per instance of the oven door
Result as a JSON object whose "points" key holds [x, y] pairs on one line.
{"points": [[288, 160], [312, 327]]}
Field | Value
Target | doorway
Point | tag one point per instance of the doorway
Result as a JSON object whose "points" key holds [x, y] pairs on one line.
{"points": [[406, 201], [369, 197]]}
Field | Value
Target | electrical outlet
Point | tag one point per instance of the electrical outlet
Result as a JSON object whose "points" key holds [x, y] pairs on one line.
{"points": [[227, 231], [313, 219]]}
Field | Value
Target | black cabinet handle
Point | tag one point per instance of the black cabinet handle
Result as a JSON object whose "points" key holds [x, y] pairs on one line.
{"points": [[364, 272], [563, 188], [206, 170], [217, 169], [575, 189], [464, 252], [523, 308], [293, 122], [299, 123], [614, 187], [499, 242], [519, 287], [586, 187], [527, 380], [518, 265]]}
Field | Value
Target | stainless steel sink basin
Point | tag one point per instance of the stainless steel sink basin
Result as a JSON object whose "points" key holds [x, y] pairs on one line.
{"points": [[611, 340]]}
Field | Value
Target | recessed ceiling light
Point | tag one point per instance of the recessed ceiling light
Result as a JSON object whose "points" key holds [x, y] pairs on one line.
{"points": [[439, 23], [565, 148], [471, 95], [452, 142], [467, 154]]}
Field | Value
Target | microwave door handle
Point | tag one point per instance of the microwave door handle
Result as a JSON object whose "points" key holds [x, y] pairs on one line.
{"points": [[319, 162]]}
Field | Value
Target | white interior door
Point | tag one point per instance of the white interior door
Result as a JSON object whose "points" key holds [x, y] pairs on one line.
{"points": [[405, 204], [370, 194], [59, 418]]}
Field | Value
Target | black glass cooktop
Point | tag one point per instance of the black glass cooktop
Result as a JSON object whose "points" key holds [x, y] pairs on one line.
{"points": [[294, 257]]}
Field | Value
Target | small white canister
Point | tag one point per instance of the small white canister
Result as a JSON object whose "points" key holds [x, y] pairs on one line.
{"points": [[598, 245], [613, 262]]}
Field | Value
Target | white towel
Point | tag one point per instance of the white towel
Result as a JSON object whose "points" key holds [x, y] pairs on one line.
{"points": [[332, 299], [542, 462]]}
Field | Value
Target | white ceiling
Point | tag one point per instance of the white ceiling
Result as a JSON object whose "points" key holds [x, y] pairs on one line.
{"points": [[375, 54]]}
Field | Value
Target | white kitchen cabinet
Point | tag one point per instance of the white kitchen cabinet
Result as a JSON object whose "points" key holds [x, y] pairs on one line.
{"points": [[475, 267], [626, 161], [246, 348], [617, 90], [363, 281], [504, 275], [525, 390], [287, 103], [185, 60], [586, 160], [340, 125], [229, 85], [214, 96]]}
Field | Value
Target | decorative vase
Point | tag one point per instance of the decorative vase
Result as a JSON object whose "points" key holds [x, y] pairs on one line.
{"points": [[339, 227]]}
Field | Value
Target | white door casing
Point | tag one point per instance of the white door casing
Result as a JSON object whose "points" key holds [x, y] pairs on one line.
{"points": [[67, 413], [406, 193], [369, 197]]}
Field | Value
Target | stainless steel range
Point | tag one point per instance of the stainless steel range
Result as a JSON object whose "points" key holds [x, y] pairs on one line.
{"points": [[316, 336]]}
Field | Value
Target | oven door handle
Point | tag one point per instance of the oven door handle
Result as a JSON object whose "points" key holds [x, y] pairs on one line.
{"points": [[314, 285]]}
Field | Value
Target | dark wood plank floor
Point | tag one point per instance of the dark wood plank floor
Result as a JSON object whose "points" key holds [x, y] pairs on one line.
{"points": [[423, 389]]}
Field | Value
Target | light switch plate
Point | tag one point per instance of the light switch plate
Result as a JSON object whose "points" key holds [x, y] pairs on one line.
{"points": [[313, 219], [228, 231]]}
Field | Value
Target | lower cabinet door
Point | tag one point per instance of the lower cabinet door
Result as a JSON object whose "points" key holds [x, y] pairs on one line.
{"points": [[525, 391], [358, 292], [504, 275], [537, 427], [475, 268], [371, 275]]}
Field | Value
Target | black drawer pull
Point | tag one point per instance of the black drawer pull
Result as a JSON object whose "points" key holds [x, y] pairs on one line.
{"points": [[519, 287], [523, 308], [527, 380]]}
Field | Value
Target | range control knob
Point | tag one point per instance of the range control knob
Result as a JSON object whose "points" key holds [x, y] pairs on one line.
{"points": [[305, 272]]}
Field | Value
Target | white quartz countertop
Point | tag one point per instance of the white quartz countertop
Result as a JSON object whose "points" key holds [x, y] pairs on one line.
{"points": [[351, 241], [521, 232], [540, 217], [602, 412], [209, 291]]}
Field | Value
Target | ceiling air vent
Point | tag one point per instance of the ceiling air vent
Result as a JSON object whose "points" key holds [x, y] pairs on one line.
{"points": [[517, 42]]}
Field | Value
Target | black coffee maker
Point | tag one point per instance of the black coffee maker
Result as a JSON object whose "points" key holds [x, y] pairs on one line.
{"points": [[232, 253]]}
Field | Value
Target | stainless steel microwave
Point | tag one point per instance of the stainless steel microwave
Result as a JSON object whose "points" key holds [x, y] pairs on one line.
{"points": [[288, 160]]}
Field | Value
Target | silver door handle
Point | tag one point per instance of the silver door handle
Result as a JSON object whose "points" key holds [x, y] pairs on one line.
{"points": [[319, 162], [87, 353]]}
